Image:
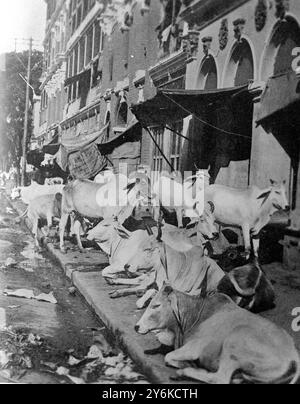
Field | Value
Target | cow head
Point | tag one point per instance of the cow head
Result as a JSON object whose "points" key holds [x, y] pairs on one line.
{"points": [[147, 256], [276, 194], [206, 225], [103, 234], [279, 197], [159, 314]]}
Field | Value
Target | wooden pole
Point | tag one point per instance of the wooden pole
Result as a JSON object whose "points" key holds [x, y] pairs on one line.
{"points": [[26, 120]]}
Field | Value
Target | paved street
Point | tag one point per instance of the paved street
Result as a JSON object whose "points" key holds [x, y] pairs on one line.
{"points": [[43, 337]]}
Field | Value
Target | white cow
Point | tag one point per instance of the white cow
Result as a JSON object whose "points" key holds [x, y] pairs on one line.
{"points": [[115, 199], [250, 209], [185, 198], [27, 194]]}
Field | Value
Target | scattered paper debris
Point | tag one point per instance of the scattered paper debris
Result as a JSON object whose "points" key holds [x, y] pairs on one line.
{"points": [[73, 361], [35, 340], [2, 319], [4, 358], [95, 353], [28, 294], [49, 298], [72, 291], [24, 293], [10, 262], [62, 371], [30, 254], [76, 380], [114, 361]]}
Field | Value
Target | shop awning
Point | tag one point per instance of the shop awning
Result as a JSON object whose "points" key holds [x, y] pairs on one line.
{"points": [[35, 158], [281, 92], [74, 142], [172, 105], [52, 147], [131, 134]]}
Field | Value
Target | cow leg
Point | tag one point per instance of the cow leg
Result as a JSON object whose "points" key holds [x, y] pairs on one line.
{"points": [[62, 227], [148, 296], [223, 376], [35, 233], [179, 214], [256, 242], [247, 239], [77, 227], [127, 282], [126, 292], [177, 358]]}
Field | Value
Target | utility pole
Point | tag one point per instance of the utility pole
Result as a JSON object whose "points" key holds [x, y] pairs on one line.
{"points": [[26, 120]]}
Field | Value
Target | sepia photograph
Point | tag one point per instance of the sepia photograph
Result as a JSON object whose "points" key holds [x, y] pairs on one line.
{"points": [[149, 194]]}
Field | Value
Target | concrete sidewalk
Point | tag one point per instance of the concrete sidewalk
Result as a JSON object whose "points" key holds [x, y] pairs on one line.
{"points": [[119, 315]]}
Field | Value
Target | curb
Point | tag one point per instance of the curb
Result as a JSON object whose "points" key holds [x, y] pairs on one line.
{"points": [[119, 316]]}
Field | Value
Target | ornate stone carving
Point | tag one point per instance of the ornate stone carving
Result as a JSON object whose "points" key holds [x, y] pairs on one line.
{"points": [[261, 13], [282, 6], [191, 42], [239, 26], [223, 34], [207, 41]]}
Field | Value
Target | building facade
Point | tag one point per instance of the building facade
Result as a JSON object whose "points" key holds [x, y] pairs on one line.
{"points": [[103, 57]]}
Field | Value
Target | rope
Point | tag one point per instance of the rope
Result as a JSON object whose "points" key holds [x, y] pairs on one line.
{"points": [[207, 123], [159, 149]]}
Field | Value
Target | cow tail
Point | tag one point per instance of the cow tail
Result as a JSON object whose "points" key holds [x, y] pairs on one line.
{"points": [[297, 374], [23, 215]]}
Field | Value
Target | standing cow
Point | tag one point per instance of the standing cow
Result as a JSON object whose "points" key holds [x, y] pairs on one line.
{"points": [[45, 207], [186, 198], [249, 209], [116, 198]]}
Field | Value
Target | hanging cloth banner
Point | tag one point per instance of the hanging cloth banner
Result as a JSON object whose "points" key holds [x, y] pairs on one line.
{"points": [[86, 163], [74, 142]]}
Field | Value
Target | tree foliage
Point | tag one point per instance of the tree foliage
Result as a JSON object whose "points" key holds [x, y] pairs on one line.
{"points": [[13, 100]]}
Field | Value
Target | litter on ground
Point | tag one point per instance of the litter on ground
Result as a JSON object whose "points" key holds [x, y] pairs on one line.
{"points": [[29, 294]]}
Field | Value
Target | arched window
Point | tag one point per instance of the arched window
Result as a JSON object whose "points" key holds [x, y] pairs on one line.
{"points": [[278, 56], [208, 76], [122, 114], [240, 69]]}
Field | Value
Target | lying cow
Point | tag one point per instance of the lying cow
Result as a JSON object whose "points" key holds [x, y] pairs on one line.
{"points": [[249, 288], [114, 199], [108, 233], [54, 181], [44, 207], [225, 341], [249, 209]]}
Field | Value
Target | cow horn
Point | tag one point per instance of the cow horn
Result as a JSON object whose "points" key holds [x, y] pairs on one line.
{"points": [[212, 206]]}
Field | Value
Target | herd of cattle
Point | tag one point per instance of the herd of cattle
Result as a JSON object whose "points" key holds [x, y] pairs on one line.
{"points": [[205, 318]]}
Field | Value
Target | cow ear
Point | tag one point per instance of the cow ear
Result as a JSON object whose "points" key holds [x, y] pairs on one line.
{"points": [[211, 206], [130, 185]]}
